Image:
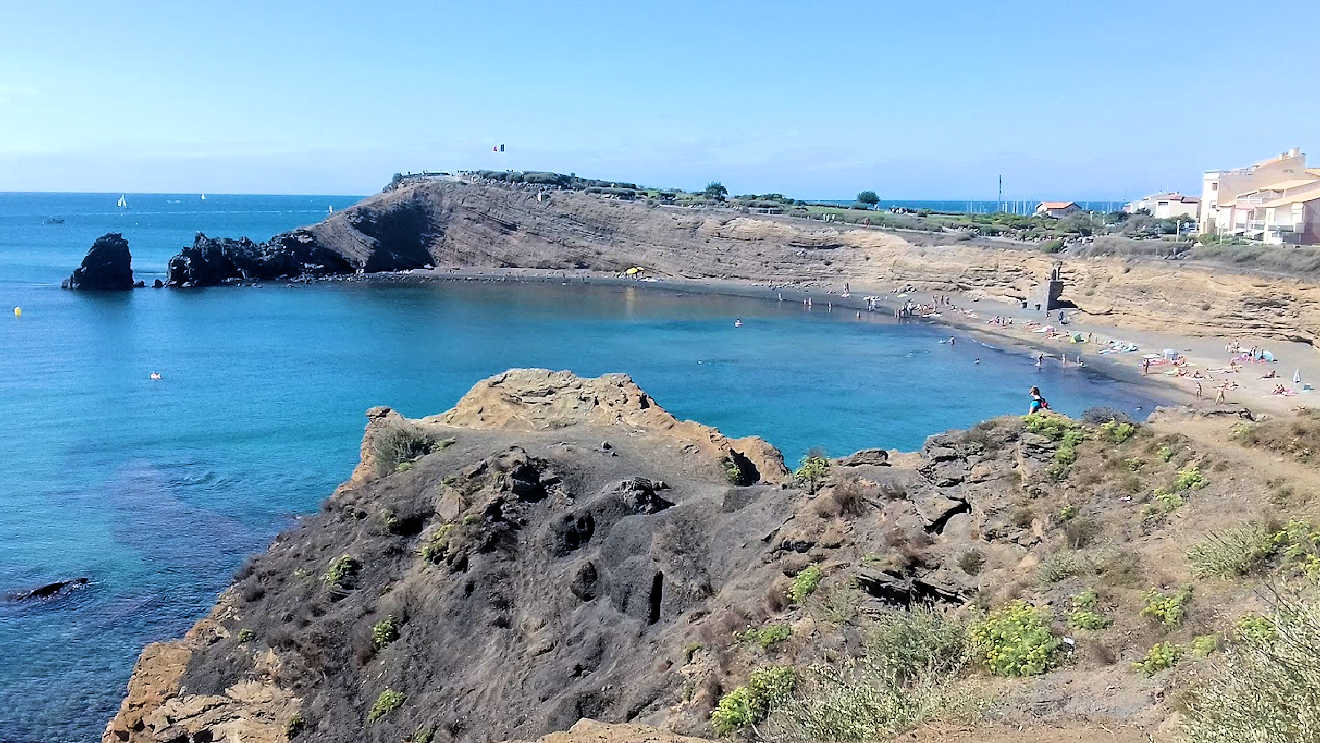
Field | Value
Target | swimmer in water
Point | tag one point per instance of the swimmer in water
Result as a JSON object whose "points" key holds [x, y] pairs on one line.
{"points": [[977, 361], [737, 323], [155, 376]]}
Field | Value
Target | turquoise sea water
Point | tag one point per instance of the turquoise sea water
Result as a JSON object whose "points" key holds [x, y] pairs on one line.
{"points": [[157, 490]]}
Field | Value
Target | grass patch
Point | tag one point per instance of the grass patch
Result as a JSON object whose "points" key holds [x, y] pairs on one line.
{"points": [[342, 571], [1190, 478], [1299, 543], [1232, 553], [399, 444], [246, 635], [294, 727], [1061, 566], [1116, 431], [767, 635], [1262, 689], [384, 632], [436, 547], [1016, 640], [1166, 608], [748, 704], [805, 583], [388, 701], [1162, 655], [905, 676]]}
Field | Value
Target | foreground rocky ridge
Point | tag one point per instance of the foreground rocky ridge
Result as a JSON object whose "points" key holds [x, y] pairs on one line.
{"points": [[556, 548], [484, 225]]}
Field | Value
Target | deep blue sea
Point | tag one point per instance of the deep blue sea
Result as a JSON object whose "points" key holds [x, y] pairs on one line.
{"points": [[157, 490]]}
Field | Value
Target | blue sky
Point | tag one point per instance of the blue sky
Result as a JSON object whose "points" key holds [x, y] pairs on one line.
{"points": [[913, 100]]}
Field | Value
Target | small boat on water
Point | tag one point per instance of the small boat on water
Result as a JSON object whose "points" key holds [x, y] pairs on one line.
{"points": [[203, 197], [329, 210], [54, 220], [122, 203]]}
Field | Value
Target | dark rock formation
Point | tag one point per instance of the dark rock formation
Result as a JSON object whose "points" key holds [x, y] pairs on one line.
{"points": [[107, 266], [49, 590], [212, 261]]}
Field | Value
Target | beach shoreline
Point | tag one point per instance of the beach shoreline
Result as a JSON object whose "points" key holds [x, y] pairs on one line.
{"points": [[1007, 339]]}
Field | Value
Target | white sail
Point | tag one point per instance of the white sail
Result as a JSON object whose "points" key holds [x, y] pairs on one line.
{"points": [[203, 197], [122, 203]]}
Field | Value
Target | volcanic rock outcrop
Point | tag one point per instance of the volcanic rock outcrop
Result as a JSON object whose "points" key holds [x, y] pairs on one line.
{"points": [[107, 266]]}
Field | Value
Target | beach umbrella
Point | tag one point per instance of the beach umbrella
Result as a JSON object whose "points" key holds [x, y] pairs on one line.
{"points": [[633, 270]]}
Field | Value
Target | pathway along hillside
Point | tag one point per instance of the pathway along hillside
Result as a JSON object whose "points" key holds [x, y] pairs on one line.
{"points": [[557, 548]]}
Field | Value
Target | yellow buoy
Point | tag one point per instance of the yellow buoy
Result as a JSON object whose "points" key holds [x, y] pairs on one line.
{"points": [[18, 312]]}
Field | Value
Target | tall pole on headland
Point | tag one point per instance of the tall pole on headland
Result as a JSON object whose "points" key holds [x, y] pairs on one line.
{"points": [[1001, 192]]}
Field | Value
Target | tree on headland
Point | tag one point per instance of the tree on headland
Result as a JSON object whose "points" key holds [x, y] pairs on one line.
{"points": [[716, 190], [868, 197]]}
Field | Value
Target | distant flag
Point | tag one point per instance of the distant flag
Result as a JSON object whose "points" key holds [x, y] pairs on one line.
{"points": [[501, 148]]}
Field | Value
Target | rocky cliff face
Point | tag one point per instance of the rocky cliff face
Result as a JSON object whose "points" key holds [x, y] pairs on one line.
{"points": [[556, 548], [107, 266], [448, 223]]}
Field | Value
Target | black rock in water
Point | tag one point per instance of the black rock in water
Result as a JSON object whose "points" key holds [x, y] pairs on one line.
{"points": [[48, 590], [107, 266], [212, 261]]}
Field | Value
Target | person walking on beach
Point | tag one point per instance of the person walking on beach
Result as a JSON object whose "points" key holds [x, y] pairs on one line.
{"points": [[1145, 367], [1038, 402]]}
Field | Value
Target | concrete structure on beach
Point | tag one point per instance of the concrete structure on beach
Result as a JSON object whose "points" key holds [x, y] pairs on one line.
{"points": [[1276, 201], [1166, 206]]}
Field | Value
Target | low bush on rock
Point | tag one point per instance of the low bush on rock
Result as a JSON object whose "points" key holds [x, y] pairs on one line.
{"points": [[1117, 432], [398, 445], [1016, 640], [388, 701], [1166, 608], [749, 704], [384, 632], [767, 635], [1264, 687], [907, 675], [1231, 553], [341, 572], [805, 583], [812, 470], [1162, 655]]}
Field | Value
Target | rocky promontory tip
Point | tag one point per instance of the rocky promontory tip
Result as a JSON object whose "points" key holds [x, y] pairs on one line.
{"points": [[107, 266], [211, 261]]}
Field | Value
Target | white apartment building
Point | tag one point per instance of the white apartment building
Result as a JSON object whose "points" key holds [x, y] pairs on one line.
{"points": [[1276, 201], [1166, 206]]}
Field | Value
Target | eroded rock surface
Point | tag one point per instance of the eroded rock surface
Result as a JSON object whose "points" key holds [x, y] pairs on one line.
{"points": [[107, 266]]}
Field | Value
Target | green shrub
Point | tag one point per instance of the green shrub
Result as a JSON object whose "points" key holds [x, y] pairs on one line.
{"points": [[1165, 452], [1166, 608], [904, 677], [1205, 645], [422, 735], [1231, 553], [1067, 512], [1262, 689], [294, 727], [398, 444], [747, 705], [805, 583], [437, 546], [384, 632], [1118, 432], [1087, 599], [1167, 501], [1064, 565], [1016, 640], [1299, 542], [1052, 246], [341, 572], [1051, 426], [971, 561], [767, 635], [246, 635], [812, 470], [388, 701], [1161, 656], [1190, 478], [1087, 619], [1254, 628], [1134, 463]]}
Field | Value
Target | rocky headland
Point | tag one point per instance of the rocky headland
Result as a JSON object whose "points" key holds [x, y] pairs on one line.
{"points": [[475, 224], [558, 556]]}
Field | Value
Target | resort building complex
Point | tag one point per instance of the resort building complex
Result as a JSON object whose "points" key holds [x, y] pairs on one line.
{"points": [[1276, 201]]}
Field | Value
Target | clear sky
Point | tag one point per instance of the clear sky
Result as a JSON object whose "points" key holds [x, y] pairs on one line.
{"points": [[913, 100]]}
